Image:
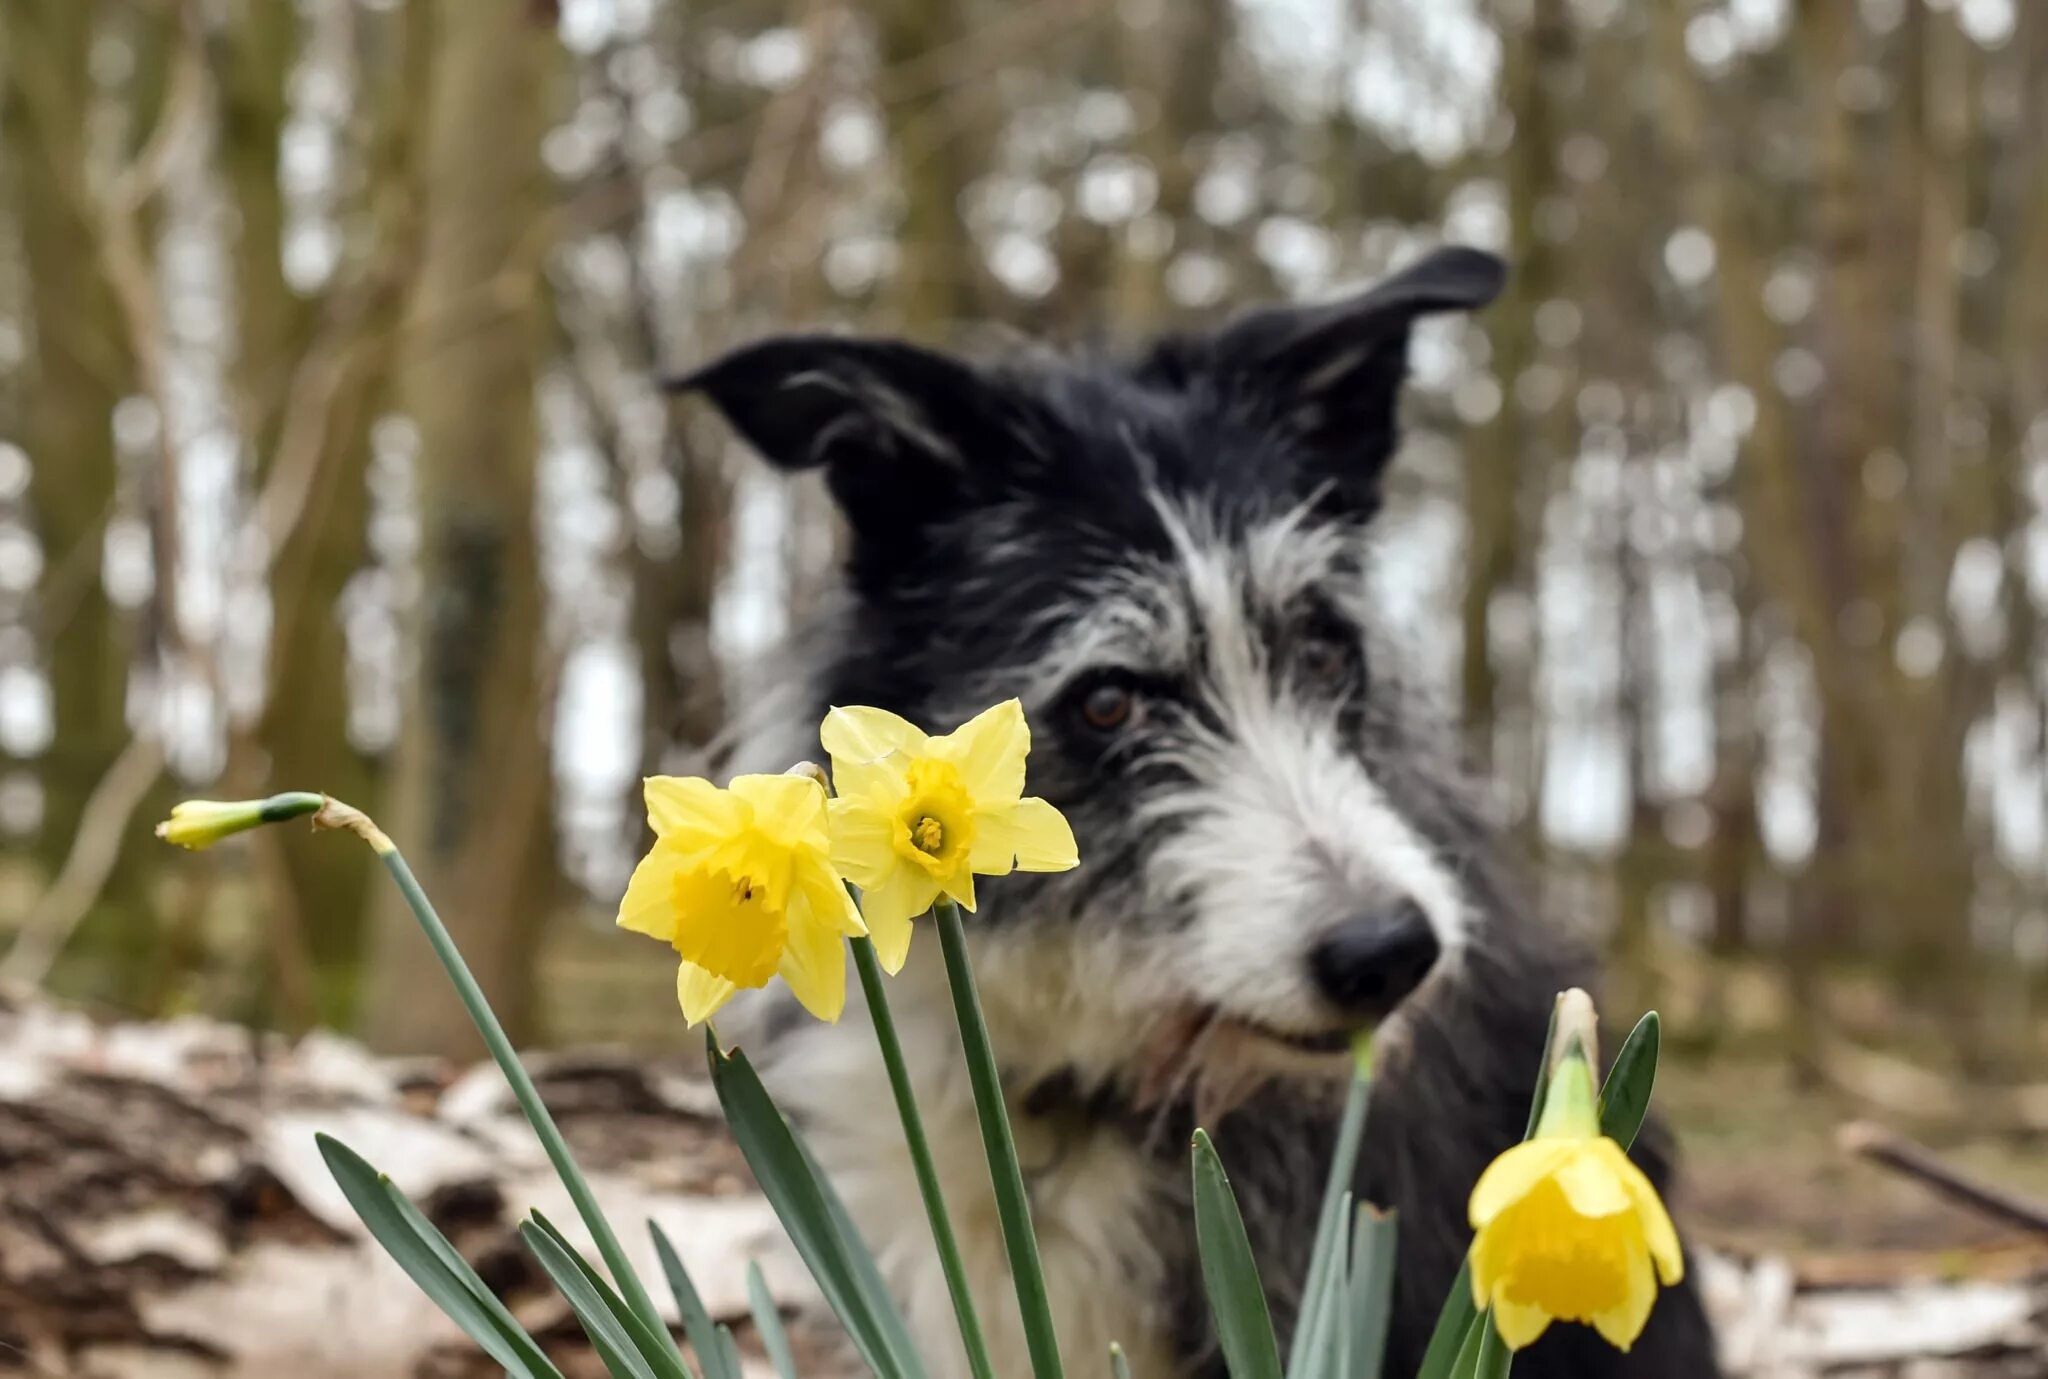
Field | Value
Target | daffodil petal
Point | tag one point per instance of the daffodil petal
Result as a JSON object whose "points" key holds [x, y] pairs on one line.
{"points": [[1622, 1323], [859, 733], [960, 886], [649, 906], [1658, 1232], [1510, 1178], [701, 993], [988, 750], [692, 811], [1035, 834], [814, 965], [1591, 1183], [892, 940], [1488, 1263], [829, 901], [789, 809], [903, 895], [1519, 1326], [863, 846]]}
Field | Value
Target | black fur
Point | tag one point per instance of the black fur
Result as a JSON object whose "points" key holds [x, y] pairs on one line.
{"points": [[990, 506]]}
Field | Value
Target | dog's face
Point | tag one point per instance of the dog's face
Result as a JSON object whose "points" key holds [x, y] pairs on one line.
{"points": [[1166, 561]]}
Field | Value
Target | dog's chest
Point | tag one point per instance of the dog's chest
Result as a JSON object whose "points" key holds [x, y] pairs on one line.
{"points": [[1105, 1215]]}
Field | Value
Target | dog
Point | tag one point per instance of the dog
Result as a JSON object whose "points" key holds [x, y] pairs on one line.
{"points": [[1167, 557]]}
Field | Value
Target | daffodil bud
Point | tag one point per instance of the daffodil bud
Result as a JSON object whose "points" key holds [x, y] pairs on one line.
{"points": [[199, 824], [1578, 1027], [814, 771]]}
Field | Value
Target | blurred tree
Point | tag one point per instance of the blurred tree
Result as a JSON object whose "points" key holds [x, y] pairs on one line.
{"points": [[81, 367], [472, 781]]}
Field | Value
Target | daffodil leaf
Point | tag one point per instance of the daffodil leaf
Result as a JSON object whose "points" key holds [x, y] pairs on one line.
{"points": [[1237, 1299], [657, 1352], [1453, 1324], [1542, 1076], [768, 1321], [1319, 1332], [866, 1272], [1625, 1099], [1369, 1291], [697, 1324], [805, 1206], [728, 1349], [1326, 1259], [608, 1336], [433, 1264], [1119, 1363], [1494, 1357]]}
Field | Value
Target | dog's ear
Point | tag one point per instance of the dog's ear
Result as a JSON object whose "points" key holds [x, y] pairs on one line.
{"points": [[1329, 376], [905, 434]]}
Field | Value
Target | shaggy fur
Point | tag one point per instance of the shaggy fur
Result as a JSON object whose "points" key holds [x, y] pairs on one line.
{"points": [[1168, 559]]}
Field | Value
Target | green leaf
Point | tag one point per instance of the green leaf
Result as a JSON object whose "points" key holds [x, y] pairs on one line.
{"points": [[1369, 1291], [868, 1274], [696, 1317], [1494, 1356], [1237, 1299], [1625, 1099], [768, 1321], [803, 1204], [657, 1348], [1119, 1363], [1453, 1325], [433, 1264], [1542, 1075], [608, 1335], [1320, 1336], [728, 1349], [1332, 1244]]}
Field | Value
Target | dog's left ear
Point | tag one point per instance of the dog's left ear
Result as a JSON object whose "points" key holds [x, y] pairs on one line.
{"points": [[1329, 376]]}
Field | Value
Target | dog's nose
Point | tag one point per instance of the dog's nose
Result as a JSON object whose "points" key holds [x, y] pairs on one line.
{"points": [[1368, 965]]}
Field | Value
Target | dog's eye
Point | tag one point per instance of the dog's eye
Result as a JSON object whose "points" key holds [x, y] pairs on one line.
{"points": [[1107, 706], [1328, 659]]}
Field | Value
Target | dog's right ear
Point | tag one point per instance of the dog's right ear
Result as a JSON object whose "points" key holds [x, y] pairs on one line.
{"points": [[904, 433]]}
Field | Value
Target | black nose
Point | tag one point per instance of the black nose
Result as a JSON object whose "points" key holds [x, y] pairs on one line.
{"points": [[1368, 965]]}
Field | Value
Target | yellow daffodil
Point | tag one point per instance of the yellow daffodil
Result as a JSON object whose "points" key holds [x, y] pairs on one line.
{"points": [[918, 816], [740, 881], [1568, 1228]]}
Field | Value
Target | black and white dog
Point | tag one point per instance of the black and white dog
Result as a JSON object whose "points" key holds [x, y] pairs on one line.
{"points": [[1167, 558]]}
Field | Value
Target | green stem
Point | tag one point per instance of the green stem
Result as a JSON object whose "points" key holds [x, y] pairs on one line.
{"points": [[870, 970], [522, 1086], [1013, 1208]]}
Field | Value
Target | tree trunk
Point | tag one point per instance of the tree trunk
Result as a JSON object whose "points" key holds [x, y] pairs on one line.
{"points": [[472, 793], [80, 368]]}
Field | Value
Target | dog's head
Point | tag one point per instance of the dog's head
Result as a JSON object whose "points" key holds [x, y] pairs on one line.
{"points": [[1165, 559]]}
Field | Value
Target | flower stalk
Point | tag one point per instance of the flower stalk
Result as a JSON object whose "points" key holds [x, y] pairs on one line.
{"points": [[1013, 1206], [870, 969], [334, 814]]}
